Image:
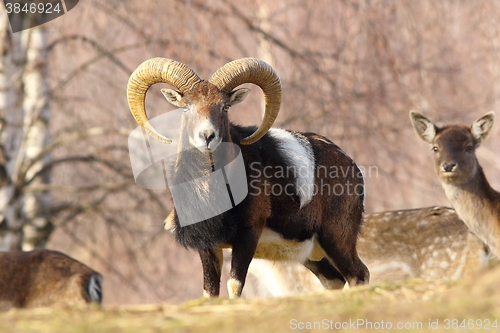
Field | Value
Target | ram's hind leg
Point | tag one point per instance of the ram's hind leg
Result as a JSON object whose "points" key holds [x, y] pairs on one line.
{"points": [[347, 261], [211, 260], [327, 274], [338, 239], [345, 258]]}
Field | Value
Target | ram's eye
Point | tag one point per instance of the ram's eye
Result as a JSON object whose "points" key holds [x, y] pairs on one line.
{"points": [[185, 108], [435, 149], [226, 108], [469, 149]]}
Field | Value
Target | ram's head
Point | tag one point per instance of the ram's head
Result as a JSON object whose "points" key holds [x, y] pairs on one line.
{"points": [[205, 103]]}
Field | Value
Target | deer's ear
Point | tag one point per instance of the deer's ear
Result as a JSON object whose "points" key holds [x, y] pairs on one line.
{"points": [[482, 127], [425, 128]]}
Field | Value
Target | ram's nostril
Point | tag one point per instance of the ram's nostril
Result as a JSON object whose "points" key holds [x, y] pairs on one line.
{"points": [[208, 137]]}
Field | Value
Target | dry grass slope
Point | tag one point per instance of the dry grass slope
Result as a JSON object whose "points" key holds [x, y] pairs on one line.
{"points": [[413, 302]]}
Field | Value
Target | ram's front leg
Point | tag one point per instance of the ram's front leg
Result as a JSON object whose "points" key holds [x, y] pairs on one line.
{"points": [[243, 251], [211, 261]]}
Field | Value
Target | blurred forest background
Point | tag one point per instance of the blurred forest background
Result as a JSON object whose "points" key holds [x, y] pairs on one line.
{"points": [[351, 70]]}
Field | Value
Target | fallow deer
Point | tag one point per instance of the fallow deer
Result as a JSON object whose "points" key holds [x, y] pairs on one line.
{"points": [[429, 243], [44, 278], [461, 176]]}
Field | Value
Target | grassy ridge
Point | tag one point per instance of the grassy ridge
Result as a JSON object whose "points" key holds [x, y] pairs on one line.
{"points": [[415, 304]]}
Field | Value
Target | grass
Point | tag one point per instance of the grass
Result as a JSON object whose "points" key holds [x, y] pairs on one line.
{"points": [[415, 303]]}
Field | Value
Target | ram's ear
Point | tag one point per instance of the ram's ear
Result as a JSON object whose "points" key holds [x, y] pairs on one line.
{"points": [[237, 96], [172, 96]]}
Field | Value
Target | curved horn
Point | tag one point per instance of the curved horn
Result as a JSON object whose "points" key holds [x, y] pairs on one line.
{"points": [[251, 70], [156, 70]]}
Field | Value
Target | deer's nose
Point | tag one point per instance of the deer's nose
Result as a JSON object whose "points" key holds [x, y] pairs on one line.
{"points": [[449, 167]]}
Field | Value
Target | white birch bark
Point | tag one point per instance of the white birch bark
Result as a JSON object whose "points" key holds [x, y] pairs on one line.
{"points": [[264, 50], [35, 206], [24, 131], [10, 229]]}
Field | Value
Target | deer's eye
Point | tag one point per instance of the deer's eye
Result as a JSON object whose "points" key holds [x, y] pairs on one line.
{"points": [[226, 107], [469, 148], [435, 149]]}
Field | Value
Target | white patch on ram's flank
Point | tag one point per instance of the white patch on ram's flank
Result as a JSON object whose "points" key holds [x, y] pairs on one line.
{"points": [[296, 150], [273, 246]]}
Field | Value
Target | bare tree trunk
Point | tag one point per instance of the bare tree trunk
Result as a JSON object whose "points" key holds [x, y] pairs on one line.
{"points": [[10, 230], [264, 45], [24, 120], [35, 206]]}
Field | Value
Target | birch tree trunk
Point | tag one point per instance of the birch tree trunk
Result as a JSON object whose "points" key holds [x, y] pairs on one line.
{"points": [[35, 206], [10, 230], [264, 51], [24, 131]]}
